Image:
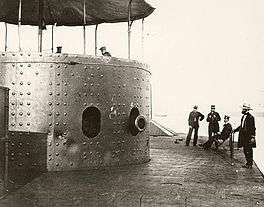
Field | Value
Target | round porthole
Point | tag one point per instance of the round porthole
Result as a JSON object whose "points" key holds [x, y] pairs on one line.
{"points": [[137, 122]]}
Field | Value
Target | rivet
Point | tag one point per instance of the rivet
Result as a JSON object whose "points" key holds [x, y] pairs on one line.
{"points": [[37, 73], [71, 163], [72, 74], [20, 113], [85, 84], [57, 123], [64, 104], [65, 114], [58, 84], [13, 83], [3, 54], [57, 144], [57, 113], [21, 65], [50, 159], [13, 114], [50, 93], [13, 93], [21, 72], [84, 143], [102, 75], [92, 84], [21, 93], [28, 93], [20, 124], [50, 124], [91, 94], [12, 124], [65, 94], [28, 83], [65, 66], [84, 157], [50, 144], [13, 54], [58, 74], [57, 154], [50, 103], [51, 66], [84, 104], [50, 83], [85, 94], [84, 153], [27, 153], [58, 94], [21, 103], [65, 84], [57, 164], [64, 124], [57, 103]]}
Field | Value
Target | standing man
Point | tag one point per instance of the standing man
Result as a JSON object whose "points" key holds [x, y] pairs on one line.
{"points": [[246, 136], [194, 118], [213, 118]]}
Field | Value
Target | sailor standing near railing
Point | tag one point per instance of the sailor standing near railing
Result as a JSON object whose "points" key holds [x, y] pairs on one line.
{"points": [[246, 136], [193, 121]]}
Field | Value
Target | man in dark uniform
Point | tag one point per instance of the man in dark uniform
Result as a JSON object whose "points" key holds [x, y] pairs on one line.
{"points": [[104, 52], [213, 118], [193, 121], [246, 136], [224, 135]]}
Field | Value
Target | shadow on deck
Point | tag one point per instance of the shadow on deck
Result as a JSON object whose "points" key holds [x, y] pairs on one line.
{"points": [[176, 176]]}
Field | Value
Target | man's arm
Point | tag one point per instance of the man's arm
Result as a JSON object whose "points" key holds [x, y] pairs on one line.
{"points": [[218, 118], [201, 116]]}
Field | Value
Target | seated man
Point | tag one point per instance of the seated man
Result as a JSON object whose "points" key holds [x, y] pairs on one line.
{"points": [[104, 52], [224, 135]]}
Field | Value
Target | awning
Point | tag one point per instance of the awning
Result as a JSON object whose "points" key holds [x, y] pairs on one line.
{"points": [[70, 12]]}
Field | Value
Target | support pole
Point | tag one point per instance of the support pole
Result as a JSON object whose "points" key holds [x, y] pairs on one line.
{"points": [[52, 38], [40, 26], [5, 36], [142, 38], [19, 25], [84, 28], [95, 41], [129, 27]]}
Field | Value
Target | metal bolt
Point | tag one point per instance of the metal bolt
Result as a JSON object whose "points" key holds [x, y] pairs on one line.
{"points": [[58, 94], [13, 93], [50, 93], [65, 114], [28, 93], [21, 72], [13, 114], [57, 144], [37, 73], [57, 123], [21, 103], [57, 154], [84, 104], [21, 93], [58, 84], [57, 103], [50, 113], [50, 103], [50, 83], [12, 124], [64, 124], [20, 113], [21, 83], [58, 74], [50, 124], [20, 124], [85, 84], [64, 104], [57, 113], [84, 143]]}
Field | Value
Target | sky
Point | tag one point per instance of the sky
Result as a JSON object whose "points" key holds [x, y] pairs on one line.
{"points": [[200, 52]]}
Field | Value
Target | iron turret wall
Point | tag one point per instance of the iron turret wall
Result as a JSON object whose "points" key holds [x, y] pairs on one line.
{"points": [[95, 110]]}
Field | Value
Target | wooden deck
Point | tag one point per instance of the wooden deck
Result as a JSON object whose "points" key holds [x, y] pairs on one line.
{"points": [[176, 176]]}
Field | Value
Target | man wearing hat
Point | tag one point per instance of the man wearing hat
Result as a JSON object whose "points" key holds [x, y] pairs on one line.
{"points": [[213, 118], [224, 135], [246, 136], [194, 118], [104, 52]]}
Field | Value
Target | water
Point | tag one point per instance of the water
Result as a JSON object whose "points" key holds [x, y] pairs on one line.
{"points": [[179, 123]]}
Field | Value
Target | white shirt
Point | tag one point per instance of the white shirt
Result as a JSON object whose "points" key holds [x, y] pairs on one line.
{"points": [[243, 120]]}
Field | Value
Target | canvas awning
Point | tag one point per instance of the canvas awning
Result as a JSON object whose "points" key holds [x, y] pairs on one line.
{"points": [[71, 12]]}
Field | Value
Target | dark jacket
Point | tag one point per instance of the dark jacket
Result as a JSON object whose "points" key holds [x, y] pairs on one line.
{"points": [[194, 118], [247, 132], [213, 118], [227, 130], [106, 54]]}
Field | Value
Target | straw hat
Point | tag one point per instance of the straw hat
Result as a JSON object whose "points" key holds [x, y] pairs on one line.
{"points": [[246, 106]]}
